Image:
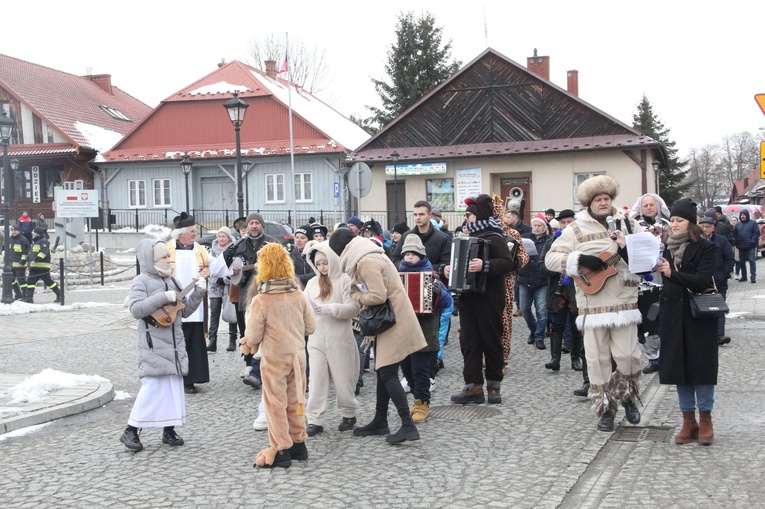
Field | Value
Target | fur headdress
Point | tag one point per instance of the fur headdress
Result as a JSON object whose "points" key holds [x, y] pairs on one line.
{"points": [[590, 188], [274, 263], [482, 206]]}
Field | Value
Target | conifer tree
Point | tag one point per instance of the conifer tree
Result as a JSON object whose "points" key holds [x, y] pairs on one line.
{"points": [[673, 182], [417, 62]]}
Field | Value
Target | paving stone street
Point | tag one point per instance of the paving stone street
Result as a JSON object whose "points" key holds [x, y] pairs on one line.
{"points": [[538, 449]]}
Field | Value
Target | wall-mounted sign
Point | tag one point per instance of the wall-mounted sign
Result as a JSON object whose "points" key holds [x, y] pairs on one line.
{"points": [[468, 183], [415, 169], [35, 184]]}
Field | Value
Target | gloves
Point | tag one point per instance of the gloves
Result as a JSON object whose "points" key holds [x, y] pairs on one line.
{"points": [[202, 284], [592, 262], [171, 296]]}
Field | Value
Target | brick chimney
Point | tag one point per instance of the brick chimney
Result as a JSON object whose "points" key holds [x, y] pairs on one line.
{"points": [[102, 80], [539, 65], [271, 69], [573, 82]]}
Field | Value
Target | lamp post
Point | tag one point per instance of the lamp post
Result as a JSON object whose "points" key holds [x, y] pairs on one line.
{"points": [[656, 165], [186, 168], [245, 168], [236, 109], [6, 128], [395, 157]]}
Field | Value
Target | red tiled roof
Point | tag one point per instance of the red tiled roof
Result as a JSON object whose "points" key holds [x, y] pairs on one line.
{"points": [[63, 99], [41, 149]]}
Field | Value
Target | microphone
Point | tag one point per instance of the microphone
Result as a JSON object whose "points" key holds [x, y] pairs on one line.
{"points": [[611, 226]]}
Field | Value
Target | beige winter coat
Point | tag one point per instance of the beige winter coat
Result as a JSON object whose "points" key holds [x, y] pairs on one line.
{"points": [[367, 264]]}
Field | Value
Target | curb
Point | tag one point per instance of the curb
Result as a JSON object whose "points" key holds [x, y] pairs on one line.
{"points": [[99, 395]]}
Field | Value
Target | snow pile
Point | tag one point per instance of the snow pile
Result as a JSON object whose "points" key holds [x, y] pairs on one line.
{"points": [[120, 395], [23, 308], [37, 386], [23, 431]]}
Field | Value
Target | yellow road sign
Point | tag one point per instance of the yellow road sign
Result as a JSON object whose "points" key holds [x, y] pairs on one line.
{"points": [[762, 159], [760, 98]]}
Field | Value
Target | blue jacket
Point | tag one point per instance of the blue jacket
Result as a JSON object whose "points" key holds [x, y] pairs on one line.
{"points": [[747, 232]]}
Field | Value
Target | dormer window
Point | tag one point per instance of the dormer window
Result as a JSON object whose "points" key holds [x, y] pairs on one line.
{"points": [[115, 113]]}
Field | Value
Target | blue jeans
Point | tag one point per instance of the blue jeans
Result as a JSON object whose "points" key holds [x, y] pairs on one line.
{"points": [[539, 297], [748, 255], [690, 395]]}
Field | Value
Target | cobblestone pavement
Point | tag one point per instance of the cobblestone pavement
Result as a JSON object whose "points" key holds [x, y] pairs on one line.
{"points": [[540, 450]]}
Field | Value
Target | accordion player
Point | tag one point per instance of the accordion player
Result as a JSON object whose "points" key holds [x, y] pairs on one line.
{"points": [[465, 249]]}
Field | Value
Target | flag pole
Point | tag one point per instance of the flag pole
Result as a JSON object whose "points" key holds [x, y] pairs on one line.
{"points": [[292, 139]]}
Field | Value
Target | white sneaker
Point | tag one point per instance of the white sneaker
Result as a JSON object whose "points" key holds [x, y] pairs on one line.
{"points": [[405, 385], [260, 424], [432, 384], [246, 372]]}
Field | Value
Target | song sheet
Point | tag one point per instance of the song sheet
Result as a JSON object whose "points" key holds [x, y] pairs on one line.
{"points": [[644, 252]]}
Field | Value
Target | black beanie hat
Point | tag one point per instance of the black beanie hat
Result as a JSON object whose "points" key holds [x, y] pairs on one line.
{"points": [[684, 208], [339, 239], [401, 228], [482, 206]]}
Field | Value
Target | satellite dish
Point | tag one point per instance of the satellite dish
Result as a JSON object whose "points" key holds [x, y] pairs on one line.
{"points": [[359, 180]]}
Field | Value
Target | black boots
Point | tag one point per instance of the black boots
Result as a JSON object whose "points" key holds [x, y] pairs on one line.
{"points": [[170, 437], [298, 451], [130, 439], [57, 291], [584, 391], [408, 430], [212, 345], [556, 344], [632, 412], [471, 393], [231, 345], [378, 426], [606, 422], [492, 390]]}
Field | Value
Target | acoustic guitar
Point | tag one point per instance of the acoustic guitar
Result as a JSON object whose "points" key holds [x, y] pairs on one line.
{"points": [[592, 281], [165, 316], [236, 277]]}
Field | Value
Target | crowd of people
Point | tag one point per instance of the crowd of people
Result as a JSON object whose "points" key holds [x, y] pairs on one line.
{"points": [[295, 312]]}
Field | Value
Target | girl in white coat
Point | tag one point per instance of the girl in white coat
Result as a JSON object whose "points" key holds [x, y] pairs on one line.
{"points": [[332, 350]]}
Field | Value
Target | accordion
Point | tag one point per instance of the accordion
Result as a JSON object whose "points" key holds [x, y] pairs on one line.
{"points": [[465, 249], [419, 289]]}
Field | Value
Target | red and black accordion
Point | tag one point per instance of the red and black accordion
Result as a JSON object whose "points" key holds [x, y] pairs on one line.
{"points": [[465, 249], [419, 288]]}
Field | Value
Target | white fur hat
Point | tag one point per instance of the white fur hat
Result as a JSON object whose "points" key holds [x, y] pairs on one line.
{"points": [[590, 188]]}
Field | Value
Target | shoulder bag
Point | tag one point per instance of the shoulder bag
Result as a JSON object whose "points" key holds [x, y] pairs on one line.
{"points": [[708, 304], [376, 319]]}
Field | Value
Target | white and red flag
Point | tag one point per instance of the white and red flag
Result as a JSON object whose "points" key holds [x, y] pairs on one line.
{"points": [[283, 65]]}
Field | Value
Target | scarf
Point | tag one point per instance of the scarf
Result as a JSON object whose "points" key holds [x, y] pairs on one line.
{"points": [[676, 245], [278, 286], [485, 224]]}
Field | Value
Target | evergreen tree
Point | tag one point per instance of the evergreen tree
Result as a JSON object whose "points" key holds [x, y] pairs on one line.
{"points": [[673, 182], [417, 62]]}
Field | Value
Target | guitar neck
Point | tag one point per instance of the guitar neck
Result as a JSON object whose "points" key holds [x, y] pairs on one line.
{"points": [[186, 290]]}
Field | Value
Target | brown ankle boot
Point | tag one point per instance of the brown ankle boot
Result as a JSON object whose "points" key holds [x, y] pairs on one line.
{"points": [[706, 431], [690, 431], [472, 393]]}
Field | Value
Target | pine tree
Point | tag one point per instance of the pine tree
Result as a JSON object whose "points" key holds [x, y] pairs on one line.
{"points": [[416, 63], [673, 176]]}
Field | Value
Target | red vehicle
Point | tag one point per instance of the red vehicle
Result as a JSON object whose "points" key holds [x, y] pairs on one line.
{"points": [[756, 213]]}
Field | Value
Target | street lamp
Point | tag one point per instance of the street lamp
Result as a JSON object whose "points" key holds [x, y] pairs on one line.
{"points": [[656, 165], [245, 168], [6, 128], [236, 109], [395, 157], [186, 168]]}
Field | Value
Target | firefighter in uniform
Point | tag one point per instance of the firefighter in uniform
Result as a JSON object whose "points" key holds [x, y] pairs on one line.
{"points": [[39, 265]]}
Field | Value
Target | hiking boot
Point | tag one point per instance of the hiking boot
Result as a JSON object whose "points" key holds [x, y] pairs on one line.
{"points": [[378, 426], [347, 424], [313, 430], [130, 439], [632, 412], [492, 390], [252, 381], [583, 391], [170, 437], [471, 393]]}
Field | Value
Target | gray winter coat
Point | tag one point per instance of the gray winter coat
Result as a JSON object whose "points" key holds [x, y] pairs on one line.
{"points": [[161, 350]]}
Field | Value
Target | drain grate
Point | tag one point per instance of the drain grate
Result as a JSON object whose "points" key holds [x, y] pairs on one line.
{"points": [[642, 434], [463, 412]]}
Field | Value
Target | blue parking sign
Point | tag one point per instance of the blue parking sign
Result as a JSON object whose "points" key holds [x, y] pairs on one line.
{"points": [[337, 189]]}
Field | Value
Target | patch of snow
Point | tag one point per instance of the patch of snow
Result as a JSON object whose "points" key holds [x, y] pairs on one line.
{"points": [[23, 431], [37, 386], [23, 308], [156, 231], [737, 314], [220, 87], [99, 138], [120, 395], [758, 296]]}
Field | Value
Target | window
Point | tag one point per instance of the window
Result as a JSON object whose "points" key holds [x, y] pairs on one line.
{"points": [[161, 192], [303, 187], [49, 133], [440, 193], [274, 188], [23, 180], [115, 113], [578, 179], [136, 193]]}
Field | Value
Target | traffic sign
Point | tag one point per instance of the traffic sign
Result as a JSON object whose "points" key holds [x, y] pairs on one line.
{"points": [[359, 180], [762, 159], [760, 98], [337, 189]]}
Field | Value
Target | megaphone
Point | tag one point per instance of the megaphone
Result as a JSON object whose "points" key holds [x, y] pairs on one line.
{"points": [[513, 201]]}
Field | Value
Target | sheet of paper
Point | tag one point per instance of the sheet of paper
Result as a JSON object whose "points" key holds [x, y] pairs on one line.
{"points": [[531, 248], [643, 250], [313, 304]]}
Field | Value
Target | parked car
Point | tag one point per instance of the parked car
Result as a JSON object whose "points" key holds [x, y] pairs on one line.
{"points": [[756, 213], [282, 232]]}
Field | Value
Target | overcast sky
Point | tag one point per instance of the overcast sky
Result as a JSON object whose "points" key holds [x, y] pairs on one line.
{"points": [[700, 63]]}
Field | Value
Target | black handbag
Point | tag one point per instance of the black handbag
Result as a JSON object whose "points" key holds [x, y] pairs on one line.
{"points": [[376, 319], [708, 304]]}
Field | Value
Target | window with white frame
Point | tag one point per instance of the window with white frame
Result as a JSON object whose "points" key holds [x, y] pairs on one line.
{"points": [[161, 192], [440, 193], [303, 187], [274, 188], [136, 193], [578, 179]]}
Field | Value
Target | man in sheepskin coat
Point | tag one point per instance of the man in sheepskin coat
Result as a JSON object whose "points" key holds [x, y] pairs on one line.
{"points": [[608, 318]]}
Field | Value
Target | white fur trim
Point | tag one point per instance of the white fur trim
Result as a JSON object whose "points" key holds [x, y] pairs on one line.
{"points": [[618, 319], [572, 264], [629, 277]]}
